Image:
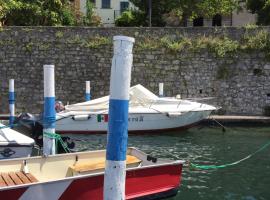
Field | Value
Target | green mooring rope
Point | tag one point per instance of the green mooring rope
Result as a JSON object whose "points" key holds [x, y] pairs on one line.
{"points": [[57, 138], [208, 167]]}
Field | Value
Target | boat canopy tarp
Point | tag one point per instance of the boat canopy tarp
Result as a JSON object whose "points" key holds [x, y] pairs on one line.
{"points": [[141, 100], [139, 95]]}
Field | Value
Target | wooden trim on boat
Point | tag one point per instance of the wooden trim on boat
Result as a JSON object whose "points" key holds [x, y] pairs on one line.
{"points": [[16, 178], [100, 164]]}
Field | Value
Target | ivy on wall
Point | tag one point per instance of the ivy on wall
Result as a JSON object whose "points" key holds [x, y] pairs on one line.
{"points": [[220, 46]]}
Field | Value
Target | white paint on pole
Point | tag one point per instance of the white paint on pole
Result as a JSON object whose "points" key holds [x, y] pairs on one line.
{"points": [[11, 85], [160, 86], [115, 177], [87, 86], [87, 91], [49, 110], [12, 110], [115, 170], [49, 90], [120, 73]]}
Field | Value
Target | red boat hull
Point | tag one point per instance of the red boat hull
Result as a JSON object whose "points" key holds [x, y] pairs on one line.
{"points": [[154, 182]]}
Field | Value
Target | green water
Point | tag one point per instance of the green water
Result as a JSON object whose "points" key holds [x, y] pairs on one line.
{"points": [[249, 180]]}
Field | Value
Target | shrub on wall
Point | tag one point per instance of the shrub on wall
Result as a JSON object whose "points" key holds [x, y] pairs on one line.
{"points": [[220, 46], [130, 18], [259, 41]]}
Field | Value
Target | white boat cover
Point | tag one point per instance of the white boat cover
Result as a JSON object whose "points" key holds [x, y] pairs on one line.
{"points": [[12, 137], [141, 101]]}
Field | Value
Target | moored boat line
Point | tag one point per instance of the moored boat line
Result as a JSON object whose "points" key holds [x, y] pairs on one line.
{"points": [[125, 174]]}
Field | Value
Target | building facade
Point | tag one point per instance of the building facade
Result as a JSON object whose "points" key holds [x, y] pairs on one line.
{"points": [[236, 18], [108, 10]]}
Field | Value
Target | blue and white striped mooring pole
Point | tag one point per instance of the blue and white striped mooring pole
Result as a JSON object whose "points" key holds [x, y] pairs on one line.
{"points": [[11, 101], [87, 91], [49, 110], [115, 171], [160, 87]]}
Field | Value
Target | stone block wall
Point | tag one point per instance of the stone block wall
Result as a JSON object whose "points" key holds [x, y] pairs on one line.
{"points": [[240, 86]]}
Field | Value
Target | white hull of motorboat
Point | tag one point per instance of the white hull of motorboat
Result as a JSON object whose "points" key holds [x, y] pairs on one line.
{"points": [[138, 122], [147, 113]]}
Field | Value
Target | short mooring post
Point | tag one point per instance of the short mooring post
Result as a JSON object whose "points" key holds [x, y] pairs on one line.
{"points": [[87, 91], [115, 171], [160, 87], [49, 111], [11, 101]]}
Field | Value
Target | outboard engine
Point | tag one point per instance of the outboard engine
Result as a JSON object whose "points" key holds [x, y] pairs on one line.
{"points": [[34, 124]]}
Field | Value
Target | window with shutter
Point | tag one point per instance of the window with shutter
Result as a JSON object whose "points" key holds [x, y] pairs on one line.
{"points": [[106, 4], [124, 6]]}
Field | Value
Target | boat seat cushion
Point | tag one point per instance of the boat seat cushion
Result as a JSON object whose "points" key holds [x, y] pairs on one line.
{"points": [[16, 178], [100, 164]]}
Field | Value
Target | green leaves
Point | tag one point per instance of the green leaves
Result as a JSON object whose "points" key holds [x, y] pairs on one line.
{"points": [[130, 18], [38, 12], [190, 9], [91, 19]]}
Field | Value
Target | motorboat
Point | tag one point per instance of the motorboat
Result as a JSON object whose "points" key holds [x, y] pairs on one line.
{"points": [[14, 144], [80, 176], [147, 113]]}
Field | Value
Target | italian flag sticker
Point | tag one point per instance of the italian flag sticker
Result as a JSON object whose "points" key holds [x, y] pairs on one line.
{"points": [[102, 118]]}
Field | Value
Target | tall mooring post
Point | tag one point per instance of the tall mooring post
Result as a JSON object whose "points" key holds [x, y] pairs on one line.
{"points": [[87, 91], [49, 111], [115, 171], [11, 101], [160, 87]]}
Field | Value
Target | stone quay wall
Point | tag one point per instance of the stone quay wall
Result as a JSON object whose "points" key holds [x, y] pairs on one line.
{"points": [[239, 83]]}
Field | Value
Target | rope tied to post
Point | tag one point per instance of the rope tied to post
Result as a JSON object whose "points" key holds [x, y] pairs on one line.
{"points": [[210, 167], [57, 138]]}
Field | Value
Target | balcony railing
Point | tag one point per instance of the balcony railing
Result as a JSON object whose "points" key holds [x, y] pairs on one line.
{"points": [[117, 13]]}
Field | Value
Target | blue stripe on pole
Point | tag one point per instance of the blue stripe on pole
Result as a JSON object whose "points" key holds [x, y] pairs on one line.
{"points": [[87, 96], [118, 130], [11, 97], [49, 112]]}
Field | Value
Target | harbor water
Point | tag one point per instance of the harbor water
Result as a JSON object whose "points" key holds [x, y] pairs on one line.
{"points": [[249, 180]]}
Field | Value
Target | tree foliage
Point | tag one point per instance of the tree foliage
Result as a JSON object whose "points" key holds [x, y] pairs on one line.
{"points": [[39, 12], [90, 19], [131, 18], [188, 8], [262, 9]]}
